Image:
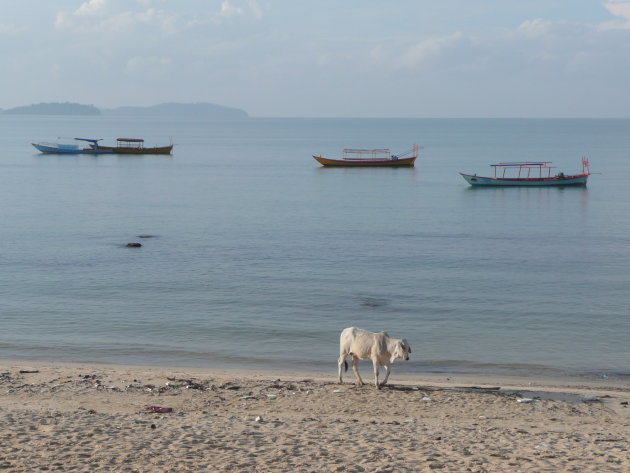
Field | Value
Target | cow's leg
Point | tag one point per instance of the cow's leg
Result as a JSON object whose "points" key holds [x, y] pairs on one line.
{"points": [[342, 364], [387, 371], [376, 373], [355, 368]]}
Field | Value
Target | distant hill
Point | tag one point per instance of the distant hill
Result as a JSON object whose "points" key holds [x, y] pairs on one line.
{"points": [[197, 110], [54, 108]]}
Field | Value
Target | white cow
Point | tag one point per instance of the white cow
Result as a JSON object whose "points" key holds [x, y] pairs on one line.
{"points": [[378, 347]]}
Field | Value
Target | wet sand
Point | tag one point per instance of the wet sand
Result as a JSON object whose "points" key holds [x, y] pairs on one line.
{"points": [[79, 417]]}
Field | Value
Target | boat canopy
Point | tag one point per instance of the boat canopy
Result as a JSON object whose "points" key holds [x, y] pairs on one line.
{"points": [[132, 143], [522, 166], [544, 164], [378, 154], [352, 154], [366, 151]]}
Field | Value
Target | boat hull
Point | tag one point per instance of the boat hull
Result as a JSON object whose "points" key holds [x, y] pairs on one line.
{"points": [[400, 162], [122, 150], [69, 150], [479, 181]]}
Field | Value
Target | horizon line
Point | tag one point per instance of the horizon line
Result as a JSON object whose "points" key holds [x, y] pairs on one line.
{"points": [[330, 117]]}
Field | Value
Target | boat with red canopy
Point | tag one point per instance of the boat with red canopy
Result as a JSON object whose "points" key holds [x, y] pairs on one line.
{"points": [[136, 146], [371, 157], [536, 173]]}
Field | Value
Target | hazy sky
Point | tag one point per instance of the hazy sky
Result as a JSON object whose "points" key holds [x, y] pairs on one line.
{"points": [[352, 58]]}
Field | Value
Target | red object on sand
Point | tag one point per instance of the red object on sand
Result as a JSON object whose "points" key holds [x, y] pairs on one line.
{"points": [[161, 410]]}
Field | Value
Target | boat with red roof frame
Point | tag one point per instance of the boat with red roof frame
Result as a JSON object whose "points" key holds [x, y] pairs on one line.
{"points": [[371, 157], [520, 174]]}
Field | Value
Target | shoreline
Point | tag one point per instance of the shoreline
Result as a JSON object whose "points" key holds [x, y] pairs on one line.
{"points": [[103, 417], [399, 375]]}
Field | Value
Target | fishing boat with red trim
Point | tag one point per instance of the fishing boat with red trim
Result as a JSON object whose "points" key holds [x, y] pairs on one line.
{"points": [[537, 173], [371, 157], [136, 146]]}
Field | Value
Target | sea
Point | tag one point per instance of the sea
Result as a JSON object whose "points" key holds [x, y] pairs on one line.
{"points": [[254, 256]]}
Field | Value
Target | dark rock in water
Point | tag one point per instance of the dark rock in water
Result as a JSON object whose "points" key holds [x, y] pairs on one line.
{"points": [[373, 302], [134, 245], [146, 236]]}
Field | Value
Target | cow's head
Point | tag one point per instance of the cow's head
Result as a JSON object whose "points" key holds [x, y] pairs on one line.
{"points": [[401, 350]]}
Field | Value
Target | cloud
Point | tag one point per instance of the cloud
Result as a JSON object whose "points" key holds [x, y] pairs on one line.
{"points": [[118, 17], [167, 22], [405, 54], [113, 17], [228, 9], [91, 8], [255, 8], [11, 30], [147, 64], [620, 9], [535, 28]]}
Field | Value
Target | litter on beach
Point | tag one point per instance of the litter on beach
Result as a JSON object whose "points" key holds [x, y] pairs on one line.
{"points": [[160, 410]]}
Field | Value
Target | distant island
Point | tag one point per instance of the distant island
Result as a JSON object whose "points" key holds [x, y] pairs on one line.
{"points": [[54, 108], [196, 110]]}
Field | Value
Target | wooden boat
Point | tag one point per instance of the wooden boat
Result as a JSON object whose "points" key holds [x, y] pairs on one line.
{"points": [[371, 157], [60, 148], [520, 174], [136, 146]]}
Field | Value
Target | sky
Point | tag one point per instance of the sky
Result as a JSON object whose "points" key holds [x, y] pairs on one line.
{"points": [[297, 58]]}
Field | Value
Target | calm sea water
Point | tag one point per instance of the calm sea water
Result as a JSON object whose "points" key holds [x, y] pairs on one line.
{"points": [[260, 257]]}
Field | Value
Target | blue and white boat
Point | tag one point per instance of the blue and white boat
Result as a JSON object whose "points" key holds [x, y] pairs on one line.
{"points": [[60, 148], [535, 174]]}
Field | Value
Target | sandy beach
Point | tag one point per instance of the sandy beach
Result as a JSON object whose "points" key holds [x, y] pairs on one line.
{"points": [[78, 417]]}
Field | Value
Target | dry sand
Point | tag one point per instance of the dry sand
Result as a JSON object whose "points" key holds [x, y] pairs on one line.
{"points": [[77, 417]]}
